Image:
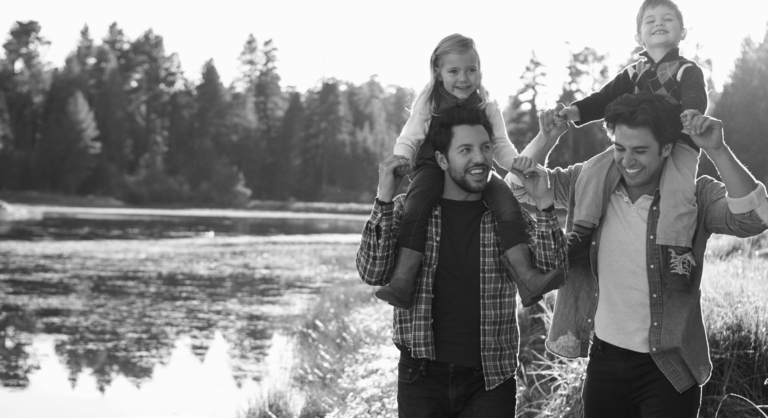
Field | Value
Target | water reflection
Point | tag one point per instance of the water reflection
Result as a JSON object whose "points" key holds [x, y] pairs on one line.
{"points": [[116, 312], [127, 226]]}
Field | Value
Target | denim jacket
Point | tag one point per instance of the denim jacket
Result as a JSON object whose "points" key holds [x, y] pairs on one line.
{"points": [[677, 337]]}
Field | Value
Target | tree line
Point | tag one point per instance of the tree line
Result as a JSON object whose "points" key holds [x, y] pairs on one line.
{"points": [[120, 118]]}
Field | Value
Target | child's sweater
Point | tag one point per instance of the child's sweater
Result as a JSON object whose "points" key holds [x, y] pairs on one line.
{"points": [[679, 80]]}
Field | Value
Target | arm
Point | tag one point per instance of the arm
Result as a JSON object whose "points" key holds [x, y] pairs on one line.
{"points": [[414, 131], [745, 199], [378, 246], [592, 107], [551, 250], [504, 152], [693, 89]]}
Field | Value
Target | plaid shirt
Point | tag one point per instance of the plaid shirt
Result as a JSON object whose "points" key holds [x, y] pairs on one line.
{"points": [[499, 336]]}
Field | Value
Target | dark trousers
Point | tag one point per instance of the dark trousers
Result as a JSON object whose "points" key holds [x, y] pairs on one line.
{"points": [[425, 191], [429, 389], [625, 383]]}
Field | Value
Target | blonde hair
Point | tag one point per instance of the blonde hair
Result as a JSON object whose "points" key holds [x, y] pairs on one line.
{"points": [[430, 98]]}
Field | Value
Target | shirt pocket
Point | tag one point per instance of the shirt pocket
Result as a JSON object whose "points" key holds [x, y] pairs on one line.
{"points": [[676, 270]]}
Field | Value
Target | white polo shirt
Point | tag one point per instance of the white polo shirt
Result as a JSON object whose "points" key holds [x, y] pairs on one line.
{"points": [[623, 315]]}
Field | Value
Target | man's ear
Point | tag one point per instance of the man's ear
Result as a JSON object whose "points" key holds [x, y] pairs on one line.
{"points": [[639, 40], [666, 150], [442, 161]]}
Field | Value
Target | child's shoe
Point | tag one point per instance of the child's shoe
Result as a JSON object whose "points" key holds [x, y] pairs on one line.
{"points": [[531, 283], [399, 291]]}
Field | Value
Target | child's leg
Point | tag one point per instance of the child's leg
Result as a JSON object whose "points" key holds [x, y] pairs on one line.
{"points": [[424, 192], [530, 282], [678, 212], [590, 187], [506, 210]]}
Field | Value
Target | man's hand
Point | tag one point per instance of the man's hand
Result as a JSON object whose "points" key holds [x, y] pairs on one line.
{"points": [[535, 179], [707, 133], [687, 118], [404, 170], [551, 125], [388, 178]]}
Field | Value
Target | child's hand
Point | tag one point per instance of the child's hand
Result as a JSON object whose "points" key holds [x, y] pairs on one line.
{"points": [[403, 170], [687, 117], [571, 113]]}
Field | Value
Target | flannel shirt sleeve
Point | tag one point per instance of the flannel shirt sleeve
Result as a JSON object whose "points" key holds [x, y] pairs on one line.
{"points": [[378, 246], [547, 241]]}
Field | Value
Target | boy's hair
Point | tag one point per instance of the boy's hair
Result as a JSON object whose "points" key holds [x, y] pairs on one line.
{"points": [[441, 128], [433, 94], [651, 4], [644, 110]]}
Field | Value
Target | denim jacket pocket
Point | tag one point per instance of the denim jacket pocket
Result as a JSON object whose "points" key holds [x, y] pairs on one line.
{"points": [[676, 269]]}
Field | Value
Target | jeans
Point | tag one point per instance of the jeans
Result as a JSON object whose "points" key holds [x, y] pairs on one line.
{"points": [[625, 383], [429, 389]]}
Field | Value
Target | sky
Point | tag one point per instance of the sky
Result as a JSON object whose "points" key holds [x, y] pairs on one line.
{"points": [[393, 39]]}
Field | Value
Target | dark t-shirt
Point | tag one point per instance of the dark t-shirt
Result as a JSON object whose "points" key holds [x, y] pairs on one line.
{"points": [[456, 303]]}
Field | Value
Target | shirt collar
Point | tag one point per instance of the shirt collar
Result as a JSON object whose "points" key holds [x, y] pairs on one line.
{"points": [[672, 55]]}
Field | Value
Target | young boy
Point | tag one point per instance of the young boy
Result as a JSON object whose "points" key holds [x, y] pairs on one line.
{"points": [[660, 70]]}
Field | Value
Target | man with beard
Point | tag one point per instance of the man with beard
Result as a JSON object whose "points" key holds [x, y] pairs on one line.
{"points": [[459, 342]]}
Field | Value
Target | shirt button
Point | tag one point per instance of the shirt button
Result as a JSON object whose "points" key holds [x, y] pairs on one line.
{"points": [[595, 294], [593, 242], [589, 320], [654, 349], [651, 265], [654, 208], [654, 295], [437, 238], [634, 209], [655, 324], [626, 199], [651, 236]]}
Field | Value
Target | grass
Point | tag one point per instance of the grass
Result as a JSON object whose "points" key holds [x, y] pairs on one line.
{"points": [[347, 365]]}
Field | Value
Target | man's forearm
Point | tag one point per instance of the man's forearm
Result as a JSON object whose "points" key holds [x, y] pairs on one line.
{"points": [[539, 148], [738, 181]]}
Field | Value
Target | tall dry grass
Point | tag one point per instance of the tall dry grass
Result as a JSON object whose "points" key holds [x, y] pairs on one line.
{"points": [[346, 364]]}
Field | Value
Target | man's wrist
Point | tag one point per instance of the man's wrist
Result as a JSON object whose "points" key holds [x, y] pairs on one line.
{"points": [[382, 202], [545, 205]]}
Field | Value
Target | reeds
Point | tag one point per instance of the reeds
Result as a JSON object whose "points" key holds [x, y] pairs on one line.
{"points": [[347, 364]]}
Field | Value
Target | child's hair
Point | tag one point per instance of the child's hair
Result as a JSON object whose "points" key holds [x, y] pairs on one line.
{"points": [[433, 93], [651, 4], [644, 110], [441, 129]]}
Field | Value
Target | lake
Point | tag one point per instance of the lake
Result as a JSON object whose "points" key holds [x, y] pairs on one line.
{"points": [[158, 313]]}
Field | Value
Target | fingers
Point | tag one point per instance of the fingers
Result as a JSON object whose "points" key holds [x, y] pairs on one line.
{"points": [[522, 166]]}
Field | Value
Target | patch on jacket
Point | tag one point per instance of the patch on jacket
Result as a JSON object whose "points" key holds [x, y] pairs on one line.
{"points": [[681, 263]]}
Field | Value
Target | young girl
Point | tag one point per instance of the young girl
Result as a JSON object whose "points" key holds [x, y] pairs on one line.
{"points": [[456, 80]]}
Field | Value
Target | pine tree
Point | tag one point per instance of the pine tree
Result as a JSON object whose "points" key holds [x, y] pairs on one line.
{"points": [[587, 72], [742, 108], [111, 111], [522, 113], [327, 143], [66, 152], [24, 83], [291, 137]]}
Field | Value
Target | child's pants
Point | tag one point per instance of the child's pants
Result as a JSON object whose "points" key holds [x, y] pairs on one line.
{"points": [[677, 219], [425, 191]]}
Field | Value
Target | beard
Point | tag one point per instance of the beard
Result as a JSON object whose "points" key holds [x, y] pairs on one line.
{"points": [[461, 180]]}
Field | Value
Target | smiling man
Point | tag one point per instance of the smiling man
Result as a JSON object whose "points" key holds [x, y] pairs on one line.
{"points": [[649, 354], [459, 342]]}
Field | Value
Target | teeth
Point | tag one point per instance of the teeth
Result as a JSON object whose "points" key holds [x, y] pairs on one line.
{"points": [[632, 171]]}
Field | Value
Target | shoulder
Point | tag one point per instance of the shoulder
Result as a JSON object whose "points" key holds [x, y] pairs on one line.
{"points": [[708, 190]]}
